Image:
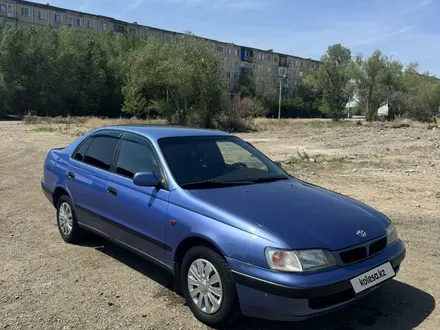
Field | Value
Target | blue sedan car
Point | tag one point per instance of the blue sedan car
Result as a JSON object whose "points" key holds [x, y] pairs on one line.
{"points": [[240, 235]]}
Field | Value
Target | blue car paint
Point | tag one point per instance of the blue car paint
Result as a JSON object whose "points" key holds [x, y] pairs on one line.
{"points": [[239, 221]]}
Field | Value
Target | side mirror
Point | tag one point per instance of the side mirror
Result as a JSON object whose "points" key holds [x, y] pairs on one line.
{"points": [[278, 164], [146, 179]]}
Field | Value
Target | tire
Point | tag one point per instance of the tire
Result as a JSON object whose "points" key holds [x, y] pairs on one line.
{"points": [[228, 309], [69, 229]]}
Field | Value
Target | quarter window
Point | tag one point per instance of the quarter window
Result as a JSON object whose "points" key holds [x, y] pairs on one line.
{"points": [[100, 152], [80, 153], [136, 156]]}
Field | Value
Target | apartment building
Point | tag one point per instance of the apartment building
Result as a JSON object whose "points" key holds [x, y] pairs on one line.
{"points": [[236, 59]]}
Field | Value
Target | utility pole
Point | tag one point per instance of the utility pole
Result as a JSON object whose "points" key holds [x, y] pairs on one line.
{"points": [[279, 100]]}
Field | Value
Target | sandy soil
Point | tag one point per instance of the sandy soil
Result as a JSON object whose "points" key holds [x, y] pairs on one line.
{"points": [[47, 284]]}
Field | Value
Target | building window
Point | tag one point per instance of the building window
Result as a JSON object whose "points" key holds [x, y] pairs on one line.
{"points": [[74, 21], [25, 11], [104, 26], [237, 75], [275, 59], [57, 18], [302, 64], [42, 14], [236, 64], [246, 53], [220, 49], [168, 39], [269, 57], [253, 66], [295, 63], [6, 8], [301, 73], [228, 74], [229, 51], [237, 52], [282, 71], [132, 31], [91, 24]]}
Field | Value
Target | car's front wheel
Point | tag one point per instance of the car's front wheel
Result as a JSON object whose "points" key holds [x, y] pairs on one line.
{"points": [[66, 221], [208, 287]]}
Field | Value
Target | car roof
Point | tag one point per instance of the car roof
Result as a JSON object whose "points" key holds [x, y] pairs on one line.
{"points": [[156, 132]]}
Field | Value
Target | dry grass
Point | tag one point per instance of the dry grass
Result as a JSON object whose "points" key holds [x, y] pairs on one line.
{"points": [[77, 126]]}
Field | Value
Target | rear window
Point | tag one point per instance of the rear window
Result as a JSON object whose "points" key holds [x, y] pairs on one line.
{"points": [[100, 152]]}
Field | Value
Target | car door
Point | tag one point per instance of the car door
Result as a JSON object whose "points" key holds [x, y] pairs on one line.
{"points": [[136, 215], [87, 176]]}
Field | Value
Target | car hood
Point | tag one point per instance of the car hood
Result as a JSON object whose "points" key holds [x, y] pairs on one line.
{"points": [[303, 215]]}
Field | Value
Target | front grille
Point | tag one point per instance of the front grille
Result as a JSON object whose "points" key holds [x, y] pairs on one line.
{"points": [[353, 255], [335, 299], [378, 246], [361, 252]]}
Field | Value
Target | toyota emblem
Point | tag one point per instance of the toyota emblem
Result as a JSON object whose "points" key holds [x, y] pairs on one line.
{"points": [[361, 233]]}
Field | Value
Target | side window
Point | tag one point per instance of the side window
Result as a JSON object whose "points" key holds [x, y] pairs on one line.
{"points": [[100, 152], [81, 151], [233, 153], [134, 157]]}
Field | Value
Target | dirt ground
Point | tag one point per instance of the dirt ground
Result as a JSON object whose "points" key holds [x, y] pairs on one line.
{"points": [[47, 284]]}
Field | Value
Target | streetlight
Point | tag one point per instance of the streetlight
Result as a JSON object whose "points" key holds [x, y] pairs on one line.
{"points": [[279, 100]]}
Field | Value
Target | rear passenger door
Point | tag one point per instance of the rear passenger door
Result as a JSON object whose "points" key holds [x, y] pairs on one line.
{"points": [[87, 176], [136, 215]]}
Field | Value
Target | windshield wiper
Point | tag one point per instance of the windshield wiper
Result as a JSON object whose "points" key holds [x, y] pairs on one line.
{"points": [[270, 179], [214, 184]]}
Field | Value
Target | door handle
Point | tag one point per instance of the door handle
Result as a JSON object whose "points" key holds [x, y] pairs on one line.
{"points": [[112, 191], [70, 175]]}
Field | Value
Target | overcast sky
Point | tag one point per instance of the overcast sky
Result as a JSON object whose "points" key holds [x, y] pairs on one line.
{"points": [[406, 29]]}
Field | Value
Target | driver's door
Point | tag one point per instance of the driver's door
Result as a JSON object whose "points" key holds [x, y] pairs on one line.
{"points": [[136, 215]]}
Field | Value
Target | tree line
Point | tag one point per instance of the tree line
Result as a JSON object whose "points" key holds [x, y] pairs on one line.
{"points": [[60, 72], [373, 82]]}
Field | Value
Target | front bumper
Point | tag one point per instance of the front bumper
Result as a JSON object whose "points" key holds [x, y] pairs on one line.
{"points": [[285, 296]]}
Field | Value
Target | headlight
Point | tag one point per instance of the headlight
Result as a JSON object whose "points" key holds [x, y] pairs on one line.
{"points": [[298, 261], [392, 235]]}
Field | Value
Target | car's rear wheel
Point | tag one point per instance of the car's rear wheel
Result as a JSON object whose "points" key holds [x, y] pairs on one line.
{"points": [[208, 287], [66, 221]]}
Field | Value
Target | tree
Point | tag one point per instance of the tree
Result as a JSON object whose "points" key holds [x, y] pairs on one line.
{"points": [[367, 74], [422, 92], [185, 75], [331, 80]]}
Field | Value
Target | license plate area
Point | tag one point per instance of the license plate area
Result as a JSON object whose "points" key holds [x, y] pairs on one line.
{"points": [[372, 277]]}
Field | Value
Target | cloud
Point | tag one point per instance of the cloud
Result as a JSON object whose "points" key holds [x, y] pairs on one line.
{"points": [[134, 5], [382, 37]]}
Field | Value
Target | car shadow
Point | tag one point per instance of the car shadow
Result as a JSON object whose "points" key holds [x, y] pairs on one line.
{"points": [[395, 305]]}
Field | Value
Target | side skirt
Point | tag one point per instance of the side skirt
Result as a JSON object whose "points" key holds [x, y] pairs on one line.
{"points": [[129, 247]]}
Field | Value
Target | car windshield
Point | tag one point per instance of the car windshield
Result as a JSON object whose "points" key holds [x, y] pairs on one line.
{"points": [[217, 161]]}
